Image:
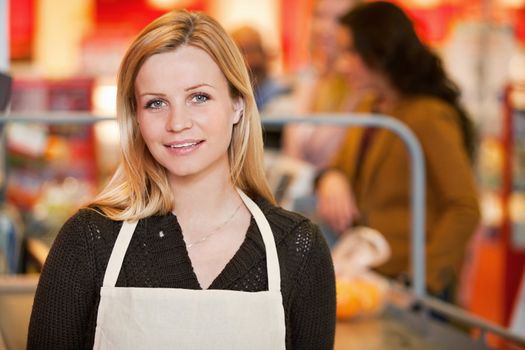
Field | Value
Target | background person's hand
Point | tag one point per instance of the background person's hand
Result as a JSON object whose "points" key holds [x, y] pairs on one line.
{"points": [[335, 201]]}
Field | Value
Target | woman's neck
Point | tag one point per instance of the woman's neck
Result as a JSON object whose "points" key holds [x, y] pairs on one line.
{"points": [[387, 99], [205, 197], [325, 64]]}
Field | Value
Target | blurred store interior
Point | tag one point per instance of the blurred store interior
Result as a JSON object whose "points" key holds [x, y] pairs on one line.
{"points": [[59, 58]]}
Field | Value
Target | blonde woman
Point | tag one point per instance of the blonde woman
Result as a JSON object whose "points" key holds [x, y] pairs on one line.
{"points": [[185, 249]]}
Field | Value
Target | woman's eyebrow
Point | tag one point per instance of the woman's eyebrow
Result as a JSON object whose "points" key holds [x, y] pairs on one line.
{"points": [[193, 87], [198, 86], [152, 94]]}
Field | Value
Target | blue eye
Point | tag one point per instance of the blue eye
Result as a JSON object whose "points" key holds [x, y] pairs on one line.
{"points": [[200, 98], [154, 104]]}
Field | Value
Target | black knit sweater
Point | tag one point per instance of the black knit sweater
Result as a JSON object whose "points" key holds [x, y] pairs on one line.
{"points": [[66, 302]]}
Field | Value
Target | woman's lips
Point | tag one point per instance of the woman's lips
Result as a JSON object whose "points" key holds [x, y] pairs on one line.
{"points": [[184, 147]]}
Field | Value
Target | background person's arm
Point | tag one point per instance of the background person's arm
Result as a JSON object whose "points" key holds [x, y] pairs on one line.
{"points": [[335, 201]]}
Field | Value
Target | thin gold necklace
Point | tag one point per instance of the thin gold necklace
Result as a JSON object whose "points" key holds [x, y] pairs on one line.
{"points": [[215, 230]]}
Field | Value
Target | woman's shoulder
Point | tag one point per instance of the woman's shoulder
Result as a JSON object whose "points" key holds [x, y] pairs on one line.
{"points": [[424, 110], [289, 225], [80, 235], [278, 215], [88, 222], [425, 105], [91, 215]]}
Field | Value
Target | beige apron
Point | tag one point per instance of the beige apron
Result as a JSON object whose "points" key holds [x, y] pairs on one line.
{"points": [[168, 318]]}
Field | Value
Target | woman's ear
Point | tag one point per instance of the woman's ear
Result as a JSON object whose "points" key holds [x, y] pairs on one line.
{"points": [[238, 109]]}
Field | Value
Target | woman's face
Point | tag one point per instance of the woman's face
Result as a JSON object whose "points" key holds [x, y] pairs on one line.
{"points": [[185, 112], [359, 74], [325, 21]]}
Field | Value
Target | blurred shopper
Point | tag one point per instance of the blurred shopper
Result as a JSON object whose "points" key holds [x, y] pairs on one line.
{"points": [[369, 181], [185, 248], [321, 88], [266, 88], [273, 95]]}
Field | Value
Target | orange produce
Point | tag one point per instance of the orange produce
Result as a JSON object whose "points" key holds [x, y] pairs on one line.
{"points": [[357, 297]]}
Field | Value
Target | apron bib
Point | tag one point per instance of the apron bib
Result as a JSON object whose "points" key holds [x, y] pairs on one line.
{"points": [[170, 318]]}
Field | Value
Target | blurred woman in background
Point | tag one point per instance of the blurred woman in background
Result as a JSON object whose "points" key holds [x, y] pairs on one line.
{"points": [[321, 88], [368, 182]]}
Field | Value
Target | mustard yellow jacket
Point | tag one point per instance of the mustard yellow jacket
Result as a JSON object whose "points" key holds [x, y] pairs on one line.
{"points": [[382, 188]]}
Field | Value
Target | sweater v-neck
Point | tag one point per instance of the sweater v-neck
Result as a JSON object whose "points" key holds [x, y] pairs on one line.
{"points": [[250, 252]]}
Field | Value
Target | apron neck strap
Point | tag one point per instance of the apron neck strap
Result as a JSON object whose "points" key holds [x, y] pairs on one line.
{"points": [[272, 261], [117, 255]]}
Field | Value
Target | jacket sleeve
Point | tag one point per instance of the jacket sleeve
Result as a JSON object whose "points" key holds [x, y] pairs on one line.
{"points": [[65, 293], [451, 178], [313, 307]]}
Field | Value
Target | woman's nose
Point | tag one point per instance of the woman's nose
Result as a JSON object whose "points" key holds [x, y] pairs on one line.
{"points": [[179, 119]]}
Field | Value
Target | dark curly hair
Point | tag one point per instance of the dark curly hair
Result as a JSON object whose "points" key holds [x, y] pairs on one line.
{"points": [[386, 40]]}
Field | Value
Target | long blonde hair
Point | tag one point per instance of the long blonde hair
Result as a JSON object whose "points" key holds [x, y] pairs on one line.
{"points": [[140, 187]]}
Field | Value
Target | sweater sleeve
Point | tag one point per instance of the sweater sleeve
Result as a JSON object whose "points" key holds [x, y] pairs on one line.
{"points": [[65, 293], [450, 174], [313, 307]]}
